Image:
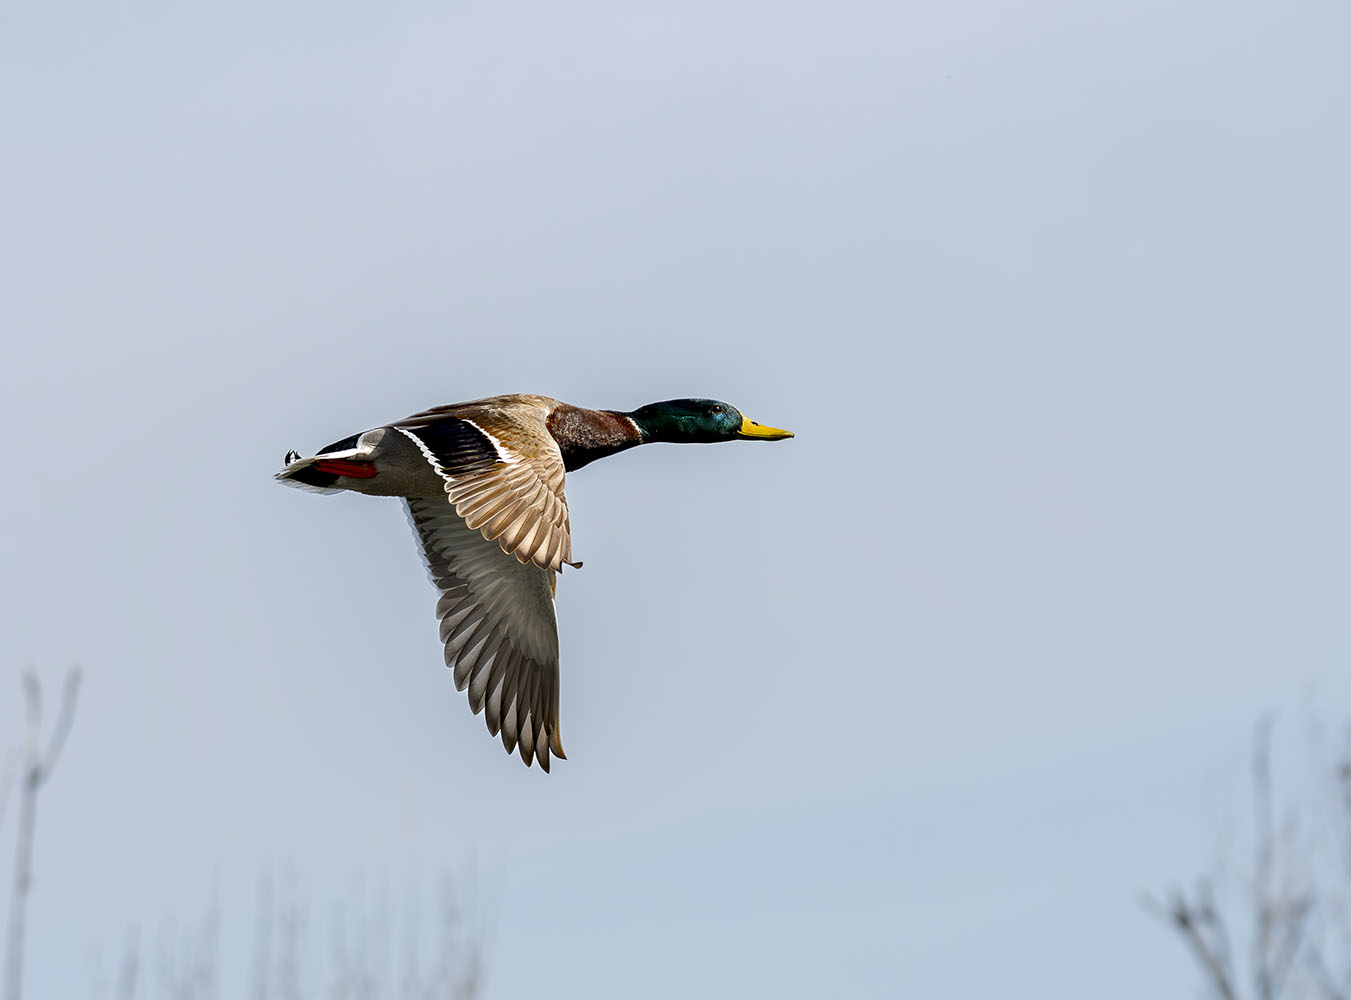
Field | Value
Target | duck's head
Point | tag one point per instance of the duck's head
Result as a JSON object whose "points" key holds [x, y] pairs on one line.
{"points": [[700, 421]]}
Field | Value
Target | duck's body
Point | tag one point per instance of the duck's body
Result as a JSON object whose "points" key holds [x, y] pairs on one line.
{"points": [[483, 483]]}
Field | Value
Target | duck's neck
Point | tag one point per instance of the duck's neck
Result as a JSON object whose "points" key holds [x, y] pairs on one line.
{"points": [[586, 435]]}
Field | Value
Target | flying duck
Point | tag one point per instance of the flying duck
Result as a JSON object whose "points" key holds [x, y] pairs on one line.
{"points": [[483, 485]]}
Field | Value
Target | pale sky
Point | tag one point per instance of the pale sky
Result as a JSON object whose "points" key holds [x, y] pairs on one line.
{"points": [[1053, 294]]}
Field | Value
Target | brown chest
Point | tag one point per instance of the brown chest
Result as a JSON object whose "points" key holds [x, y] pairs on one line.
{"points": [[586, 435]]}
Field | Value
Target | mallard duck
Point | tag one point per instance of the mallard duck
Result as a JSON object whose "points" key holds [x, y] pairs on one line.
{"points": [[483, 485]]}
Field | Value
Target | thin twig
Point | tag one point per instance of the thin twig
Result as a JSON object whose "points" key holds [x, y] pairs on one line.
{"points": [[131, 962], [57, 741], [7, 776], [1188, 921], [35, 771], [1322, 976], [1293, 924], [1264, 848]]}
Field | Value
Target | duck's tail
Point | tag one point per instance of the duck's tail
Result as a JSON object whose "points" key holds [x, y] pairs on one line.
{"points": [[321, 474], [303, 475]]}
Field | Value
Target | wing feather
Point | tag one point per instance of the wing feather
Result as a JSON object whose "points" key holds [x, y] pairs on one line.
{"points": [[498, 626], [504, 474]]}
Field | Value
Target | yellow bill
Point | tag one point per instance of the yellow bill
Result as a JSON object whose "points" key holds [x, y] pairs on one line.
{"points": [[760, 432]]}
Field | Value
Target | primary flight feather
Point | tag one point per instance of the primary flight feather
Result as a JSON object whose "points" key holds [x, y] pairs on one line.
{"points": [[483, 485]]}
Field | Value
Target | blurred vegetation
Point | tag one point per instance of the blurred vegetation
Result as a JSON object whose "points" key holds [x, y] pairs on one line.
{"points": [[1273, 919], [365, 958]]}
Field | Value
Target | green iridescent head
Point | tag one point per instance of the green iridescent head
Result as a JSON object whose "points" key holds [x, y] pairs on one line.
{"points": [[699, 421]]}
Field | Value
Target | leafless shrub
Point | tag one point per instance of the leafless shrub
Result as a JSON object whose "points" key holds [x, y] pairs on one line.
{"points": [[1277, 925], [367, 956], [362, 962]]}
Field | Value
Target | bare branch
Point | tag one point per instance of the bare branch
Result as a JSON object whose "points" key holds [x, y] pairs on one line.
{"points": [[1264, 848], [1322, 976], [1190, 922], [1292, 923], [32, 692], [7, 776], [70, 692], [35, 771], [131, 962], [262, 948], [1291, 910]]}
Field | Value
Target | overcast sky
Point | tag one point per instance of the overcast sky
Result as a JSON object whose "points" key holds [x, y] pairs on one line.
{"points": [[1054, 295]]}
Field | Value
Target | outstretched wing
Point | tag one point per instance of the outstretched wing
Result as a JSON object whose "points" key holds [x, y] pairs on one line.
{"points": [[498, 626], [505, 478]]}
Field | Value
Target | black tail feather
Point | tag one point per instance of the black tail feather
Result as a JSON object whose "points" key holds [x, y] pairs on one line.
{"points": [[311, 476]]}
